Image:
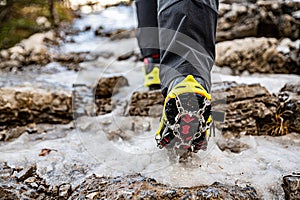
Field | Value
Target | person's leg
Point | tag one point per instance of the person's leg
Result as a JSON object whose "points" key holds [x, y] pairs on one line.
{"points": [[187, 39], [147, 17], [147, 36], [187, 31]]}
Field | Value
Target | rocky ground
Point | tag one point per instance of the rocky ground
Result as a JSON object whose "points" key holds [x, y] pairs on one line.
{"points": [[77, 123]]}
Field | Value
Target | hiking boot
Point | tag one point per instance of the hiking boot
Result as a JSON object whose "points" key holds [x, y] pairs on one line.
{"points": [[151, 72], [186, 116]]}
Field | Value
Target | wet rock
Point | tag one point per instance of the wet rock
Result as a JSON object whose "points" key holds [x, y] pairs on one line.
{"points": [[87, 100], [5, 171], [290, 98], [23, 105], [115, 34], [264, 18], [107, 86], [25, 53], [71, 60], [142, 103], [291, 186], [259, 55], [27, 184], [124, 35], [25, 173], [118, 3], [43, 22], [137, 187], [5, 194], [9, 65], [4, 55], [104, 105], [64, 191], [292, 88], [135, 56], [92, 195], [250, 109], [247, 106], [232, 144], [11, 133]]}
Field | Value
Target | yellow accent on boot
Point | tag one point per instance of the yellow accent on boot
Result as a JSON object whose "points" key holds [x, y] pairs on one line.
{"points": [[152, 78], [209, 120], [188, 85]]}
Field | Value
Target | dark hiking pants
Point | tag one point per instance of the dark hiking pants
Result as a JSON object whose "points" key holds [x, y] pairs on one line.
{"points": [[183, 33]]}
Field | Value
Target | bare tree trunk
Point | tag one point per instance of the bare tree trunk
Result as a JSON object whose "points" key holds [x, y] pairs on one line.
{"points": [[53, 16], [5, 10]]}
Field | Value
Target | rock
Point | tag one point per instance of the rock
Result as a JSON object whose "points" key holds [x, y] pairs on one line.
{"points": [[10, 64], [131, 186], [23, 105], [35, 43], [6, 194], [64, 190], [74, 57], [293, 88], [104, 105], [107, 86], [130, 54], [246, 107], [5, 171], [25, 173], [86, 100], [265, 18], [232, 144], [258, 55], [16, 50], [92, 195], [11, 133], [124, 34], [4, 55], [139, 187], [115, 34], [250, 109], [142, 103], [290, 101], [27, 184], [43, 22], [291, 186]]}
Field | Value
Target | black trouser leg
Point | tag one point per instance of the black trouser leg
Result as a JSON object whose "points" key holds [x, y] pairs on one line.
{"points": [[187, 31], [147, 17]]}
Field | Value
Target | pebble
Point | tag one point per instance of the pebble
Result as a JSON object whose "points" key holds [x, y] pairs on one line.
{"points": [[64, 190], [25, 173], [92, 195]]}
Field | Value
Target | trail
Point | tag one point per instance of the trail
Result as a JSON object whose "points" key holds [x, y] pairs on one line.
{"points": [[115, 144]]}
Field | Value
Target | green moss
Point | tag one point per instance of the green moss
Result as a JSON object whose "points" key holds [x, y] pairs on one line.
{"points": [[64, 14], [21, 23]]}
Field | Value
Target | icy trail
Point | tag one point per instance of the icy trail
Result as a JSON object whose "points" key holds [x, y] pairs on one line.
{"points": [[109, 145]]}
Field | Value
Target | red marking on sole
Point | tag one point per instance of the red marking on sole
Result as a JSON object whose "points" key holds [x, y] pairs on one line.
{"points": [[187, 118], [188, 138], [185, 129], [165, 139]]}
